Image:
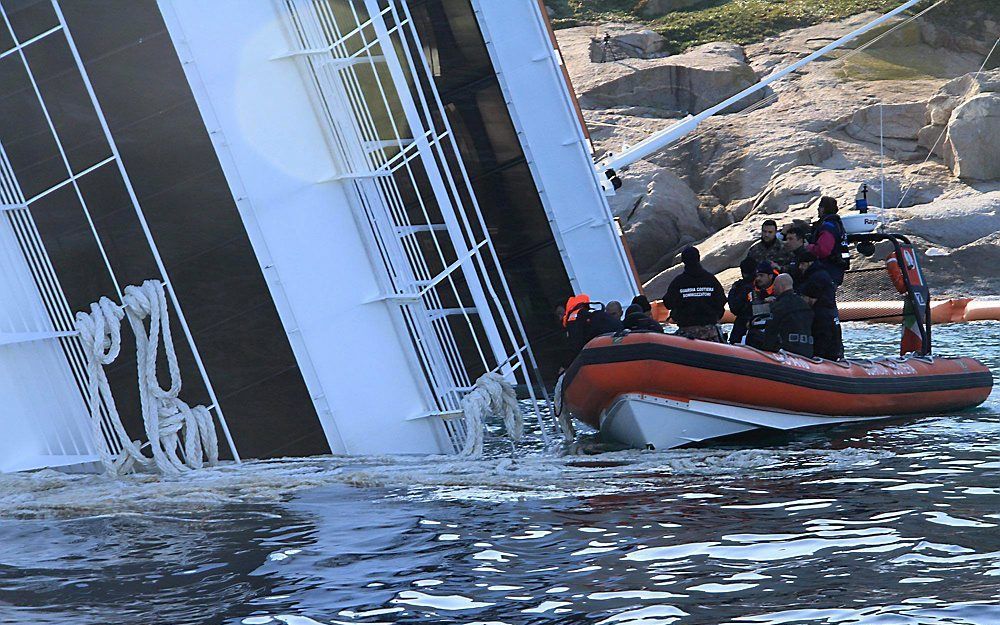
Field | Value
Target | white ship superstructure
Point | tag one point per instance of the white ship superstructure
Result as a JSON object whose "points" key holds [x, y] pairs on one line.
{"points": [[357, 207]]}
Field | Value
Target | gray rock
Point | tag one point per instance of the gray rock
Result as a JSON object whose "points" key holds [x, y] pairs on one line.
{"points": [[973, 140], [687, 83], [891, 121], [951, 223], [643, 44], [659, 215]]}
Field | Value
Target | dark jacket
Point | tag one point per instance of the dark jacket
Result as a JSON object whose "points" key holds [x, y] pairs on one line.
{"points": [[695, 298], [817, 284], [790, 325], [838, 260], [601, 322], [590, 323], [637, 320], [739, 305]]}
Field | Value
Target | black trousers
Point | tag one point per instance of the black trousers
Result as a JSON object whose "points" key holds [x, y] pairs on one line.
{"points": [[828, 340]]}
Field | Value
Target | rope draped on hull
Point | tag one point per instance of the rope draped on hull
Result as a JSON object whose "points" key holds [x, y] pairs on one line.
{"points": [[491, 395], [180, 437]]}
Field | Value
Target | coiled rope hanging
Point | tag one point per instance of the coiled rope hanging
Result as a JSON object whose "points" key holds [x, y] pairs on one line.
{"points": [[180, 437], [492, 395]]}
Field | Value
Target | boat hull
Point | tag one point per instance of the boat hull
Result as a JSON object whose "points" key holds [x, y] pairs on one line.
{"points": [[667, 391], [649, 422]]}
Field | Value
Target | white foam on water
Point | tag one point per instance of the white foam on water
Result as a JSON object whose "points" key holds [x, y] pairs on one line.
{"points": [[531, 476]]}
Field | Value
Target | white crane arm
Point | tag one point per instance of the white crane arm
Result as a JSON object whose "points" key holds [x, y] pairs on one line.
{"points": [[659, 140]]}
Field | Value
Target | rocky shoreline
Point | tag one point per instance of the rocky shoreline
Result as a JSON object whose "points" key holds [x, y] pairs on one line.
{"points": [[909, 109]]}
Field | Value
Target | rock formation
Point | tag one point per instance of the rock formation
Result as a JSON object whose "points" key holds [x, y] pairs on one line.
{"points": [[615, 67], [824, 132]]}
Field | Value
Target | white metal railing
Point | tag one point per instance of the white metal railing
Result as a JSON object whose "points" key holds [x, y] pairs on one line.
{"points": [[17, 209], [387, 132]]}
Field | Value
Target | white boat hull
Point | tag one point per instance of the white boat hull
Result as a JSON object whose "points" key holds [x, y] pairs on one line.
{"points": [[646, 421]]}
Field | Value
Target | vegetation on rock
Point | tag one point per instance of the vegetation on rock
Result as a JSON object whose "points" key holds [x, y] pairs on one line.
{"points": [[738, 21]]}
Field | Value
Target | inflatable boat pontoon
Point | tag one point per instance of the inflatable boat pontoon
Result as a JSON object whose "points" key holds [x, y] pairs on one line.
{"points": [[663, 391]]}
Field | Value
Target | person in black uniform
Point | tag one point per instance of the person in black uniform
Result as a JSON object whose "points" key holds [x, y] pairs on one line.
{"points": [[739, 301], [820, 292], [696, 300], [790, 325]]}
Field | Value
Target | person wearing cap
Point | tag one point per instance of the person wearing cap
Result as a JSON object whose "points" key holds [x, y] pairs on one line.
{"points": [[818, 289], [739, 301], [760, 303], [696, 300], [637, 317], [790, 326], [829, 241]]}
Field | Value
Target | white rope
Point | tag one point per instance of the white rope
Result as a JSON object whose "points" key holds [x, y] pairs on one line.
{"points": [[180, 437], [565, 422], [492, 395]]}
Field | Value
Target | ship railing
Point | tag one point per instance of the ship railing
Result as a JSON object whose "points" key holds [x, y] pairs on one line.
{"points": [[390, 138]]}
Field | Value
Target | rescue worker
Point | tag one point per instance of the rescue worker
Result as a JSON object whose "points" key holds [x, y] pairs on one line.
{"points": [[637, 317], [769, 247], [820, 292], [795, 238], [585, 320], [829, 241], [790, 325], [739, 301], [760, 303], [696, 300], [614, 309]]}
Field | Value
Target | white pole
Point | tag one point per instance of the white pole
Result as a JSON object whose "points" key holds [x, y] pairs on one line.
{"points": [[665, 137]]}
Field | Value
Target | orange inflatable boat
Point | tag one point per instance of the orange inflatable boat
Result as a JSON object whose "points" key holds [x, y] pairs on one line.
{"points": [[662, 391]]}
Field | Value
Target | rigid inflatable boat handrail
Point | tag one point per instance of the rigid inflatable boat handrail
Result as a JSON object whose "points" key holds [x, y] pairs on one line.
{"points": [[781, 356]]}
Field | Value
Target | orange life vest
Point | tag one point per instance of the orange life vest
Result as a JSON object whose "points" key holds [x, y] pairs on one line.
{"points": [[573, 307]]}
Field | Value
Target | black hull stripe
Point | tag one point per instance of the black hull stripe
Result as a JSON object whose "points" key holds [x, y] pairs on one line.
{"points": [[878, 385]]}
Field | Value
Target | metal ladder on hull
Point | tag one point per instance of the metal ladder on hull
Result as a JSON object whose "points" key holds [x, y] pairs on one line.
{"points": [[390, 139]]}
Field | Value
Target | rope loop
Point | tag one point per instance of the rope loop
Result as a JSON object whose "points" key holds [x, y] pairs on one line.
{"points": [[491, 395], [180, 438]]}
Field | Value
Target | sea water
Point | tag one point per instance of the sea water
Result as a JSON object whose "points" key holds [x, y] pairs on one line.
{"points": [[897, 523]]}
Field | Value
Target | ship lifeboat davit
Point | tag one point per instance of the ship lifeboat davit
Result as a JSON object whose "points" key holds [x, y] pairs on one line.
{"points": [[662, 391]]}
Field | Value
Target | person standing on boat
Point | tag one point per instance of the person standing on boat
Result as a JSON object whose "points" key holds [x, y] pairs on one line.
{"points": [[819, 291], [790, 325], [696, 300], [829, 241], [760, 303], [739, 301], [769, 248]]}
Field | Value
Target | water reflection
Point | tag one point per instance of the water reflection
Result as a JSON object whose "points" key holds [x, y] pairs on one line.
{"points": [[896, 524]]}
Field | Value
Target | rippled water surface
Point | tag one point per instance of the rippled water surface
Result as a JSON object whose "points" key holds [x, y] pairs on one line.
{"points": [[896, 524]]}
